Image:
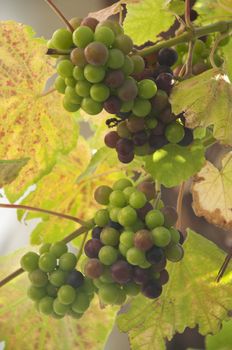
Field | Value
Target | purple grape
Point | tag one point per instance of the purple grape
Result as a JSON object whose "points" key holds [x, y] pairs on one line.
{"points": [[157, 142], [140, 138], [114, 78], [165, 81], [96, 54], [170, 216], [92, 248], [166, 116], [115, 225], [75, 279], [90, 22], [161, 69], [93, 268], [154, 255], [182, 238], [112, 105], [151, 289], [167, 57], [142, 212], [158, 130], [96, 232], [159, 266], [127, 158], [193, 15], [188, 138], [111, 139], [128, 91], [124, 147], [163, 278], [121, 272], [159, 101], [143, 240], [141, 276], [145, 74]]}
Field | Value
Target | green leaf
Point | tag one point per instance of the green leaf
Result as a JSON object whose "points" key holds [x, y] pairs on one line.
{"points": [[211, 11], [212, 193], [221, 340], [206, 100], [32, 126], [9, 170], [176, 6], [23, 327], [227, 49], [146, 19], [173, 164], [190, 298]]}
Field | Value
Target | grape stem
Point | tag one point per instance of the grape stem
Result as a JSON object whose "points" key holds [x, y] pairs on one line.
{"points": [[55, 52], [223, 267], [67, 239], [187, 14], [188, 35], [60, 14], [26, 207], [179, 206], [46, 93], [189, 62]]}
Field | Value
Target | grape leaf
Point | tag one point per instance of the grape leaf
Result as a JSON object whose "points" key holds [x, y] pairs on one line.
{"points": [[176, 6], [173, 164], [145, 20], [221, 340], [58, 191], [227, 49], [31, 126], [212, 10], [9, 170], [212, 193], [191, 297], [206, 100], [22, 327]]}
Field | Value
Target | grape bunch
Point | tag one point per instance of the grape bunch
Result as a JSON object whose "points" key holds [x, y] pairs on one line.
{"points": [[57, 288], [131, 242], [95, 67], [150, 124]]}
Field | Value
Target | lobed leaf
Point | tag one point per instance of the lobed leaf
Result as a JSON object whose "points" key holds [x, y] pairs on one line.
{"points": [[191, 298], [221, 340], [10, 169], [227, 49]]}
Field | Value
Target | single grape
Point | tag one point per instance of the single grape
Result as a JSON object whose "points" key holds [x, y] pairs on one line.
{"points": [[141, 107], [147, 89], [154, 219], [160, 101], [121, 184], [65, 68], [60, 308], [124, 43], [38, 278], [108, 293], [128, 191], [90, 106], [111, 139], [109, 236], [167, 57], [116, 59], [174, 132], [127, 238], [96, 232], [62, 39], [126, 158], [121, 272], [71, 96], [77, 57], [175, 235], [35, 293], [102, 194], [161, 69], [44, 248], [174, 253], [159, 266], [101, 217], [151, 289], [121, 297], [163, 278], [122, 249], [112, 105], [158, 130], [123, 130], [66, 294], [143, 240], [124, 147], [67, 261], [75, 22], [83, 88], [47, 262], [117, 199], [142, 212], [114, 214], [128, 66], [135, 124], [106, 276], [58, 249], [108, 255], [82, 36], [51, 290], [166, 116], [104, 35], [155, 255], [60, 85], [157, 142], [140, 138], [99, 92], [135, 256], [151, 122], [69, 106], [170, 216], [94, 74], [165, 81], [46, 305], [92, 247], [96, 54], [114, 25], [29, 262], [90, 22], [93, 268], [161, 236], [139, 64], [137, 199], [199, 46], [141, 276], [78, 73], [81, 303], [131, 289], [70, 82], [57, 278], [127, 216], [148, 188], [114, 78], [128, 91], [126, 109]]}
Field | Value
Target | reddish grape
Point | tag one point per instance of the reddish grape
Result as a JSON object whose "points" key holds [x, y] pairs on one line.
{"points": [[155, 255], [127, 158], [143, 240], [140, 138], [167, 56], [111, 139], [112, 105], [93, 268], [96, 54], [141, 276], [114, 78], [124, 147], [164, 277], [92, 248], [90, 22], [142, 212], [152, 290], [121, 272], [148, 188]]}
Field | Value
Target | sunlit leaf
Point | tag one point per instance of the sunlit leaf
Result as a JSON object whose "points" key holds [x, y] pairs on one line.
{"points": [[227, 50], [221, 340], [31, 126], [10, 169], [212, 193], [213, 10], [191, 298]]}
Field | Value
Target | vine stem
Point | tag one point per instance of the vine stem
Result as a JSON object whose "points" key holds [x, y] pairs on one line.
{"points": [[194, 33], [187, 13], [26, 207], [214, 48], [223, 267], [60, 14], [189, 62], [67, 239], [179, 206]]}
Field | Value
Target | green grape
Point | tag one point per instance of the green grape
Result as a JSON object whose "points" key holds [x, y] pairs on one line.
{"points": [[99, 92], [108, 255], [78, 57], [131, 289], [108, 293], [145, 265], [175, 235], [154, 218], [38, 278], [29, 261], [57, 278], [75, 22], [59, 308], [78, 73], [46, 305], [109, 236], [67, 261], [44, 248], [47, 262], [174, 253], [94, 74], [116, 59], [135, 256], [123, 249], [87, 287], [60, 85], [160, 101], [128, 191], [128, 66], [101, 217], [121, 297], [90, 106], [117, 199], [127, 238], [114, 25], [81, 303], [138, 225], [224, 41], [139, 64], [141, 107], [106, 276], [124, 43], [123, 130], [102, 194], [174, 132], [137, 199], [121, 184], [161, 236], [143, 150], [98, 283], [71, 82], [83, 36], [70, 107], [65, 68], [75, 315], [127, 106], [151, 122], [147, 88], [51, 290], [105, 35], [56, 316], [35, 293], [71, 96], [199, 46], [66, 294], [127, 216], [114, 213], [50, 45], [62, 39], [83, 88]]}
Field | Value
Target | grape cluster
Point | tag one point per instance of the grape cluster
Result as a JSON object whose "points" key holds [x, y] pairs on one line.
{"points": [[131, 242], [150, 124], [97, 70], [57, 288]]}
